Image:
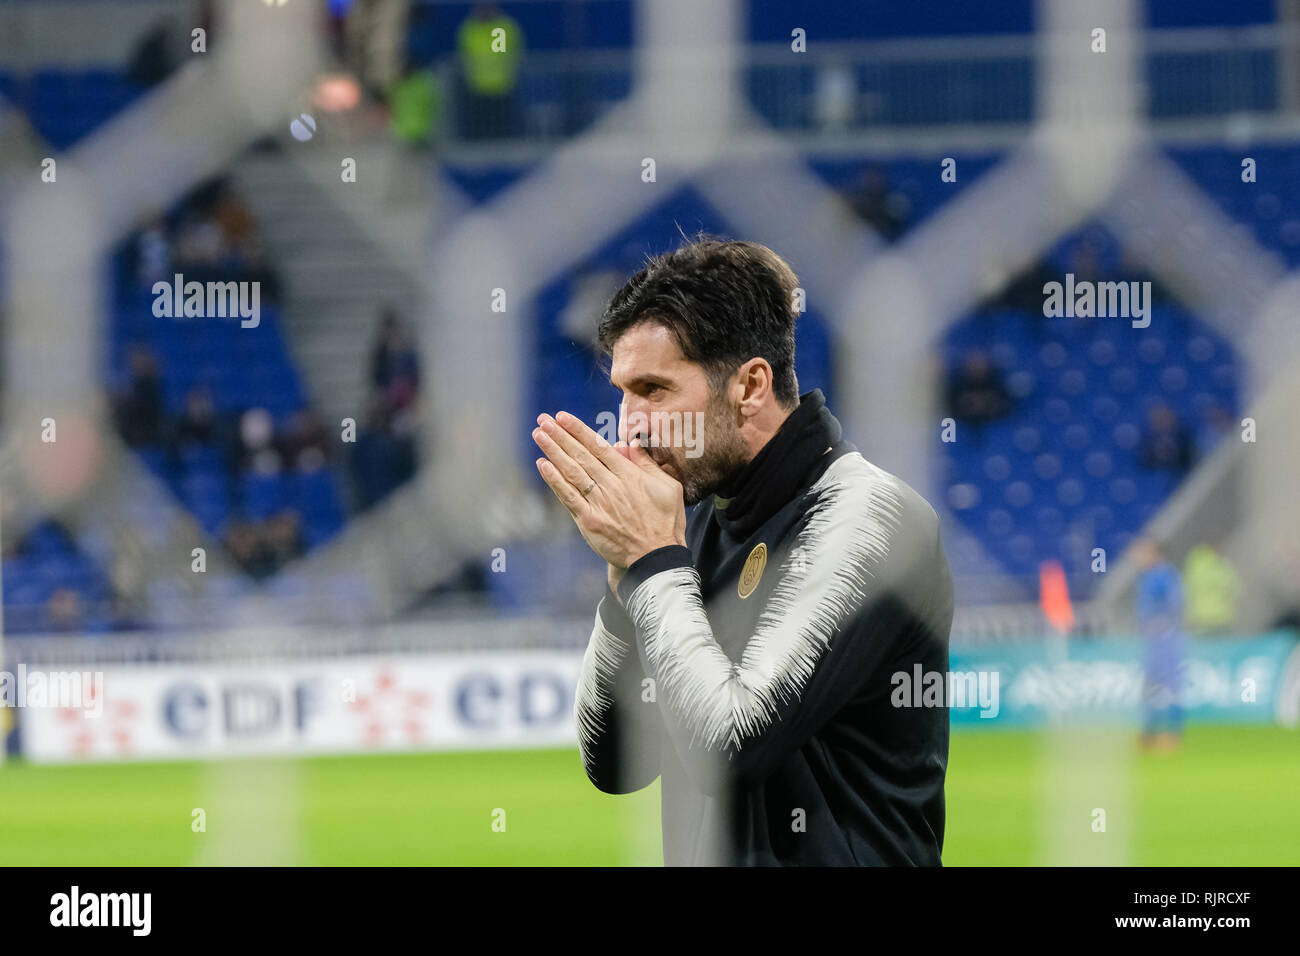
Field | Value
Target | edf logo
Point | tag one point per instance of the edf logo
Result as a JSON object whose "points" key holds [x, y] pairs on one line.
{"points": [[484, 701]]}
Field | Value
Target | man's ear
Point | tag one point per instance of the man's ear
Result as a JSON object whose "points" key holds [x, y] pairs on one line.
{"points": [[755, 380]]}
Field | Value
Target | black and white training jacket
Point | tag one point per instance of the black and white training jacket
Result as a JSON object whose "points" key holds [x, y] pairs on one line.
{"points": [[753, 670]]}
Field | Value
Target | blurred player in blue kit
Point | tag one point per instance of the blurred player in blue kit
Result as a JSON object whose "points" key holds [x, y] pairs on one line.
{"points": [[1164, 646]]}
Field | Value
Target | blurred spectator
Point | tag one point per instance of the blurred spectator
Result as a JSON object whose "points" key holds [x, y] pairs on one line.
{"points": [[977, 394], [284, 537], [198, 424], [884, 209], [373, 456], [212, 235], [403, 426], [384, 455], [199, 244], [234, 219], [140, 405], [375, 41], [1212, 588], [1166, 444], [394, 362], [489, 70], [835, 95], [1160, 623], [48, 580], [305, 444], [415, 101], [257, 450], [249, 550], [63, 614]]}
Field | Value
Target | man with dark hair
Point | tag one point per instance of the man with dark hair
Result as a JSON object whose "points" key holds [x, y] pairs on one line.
{"points": [[753, 655]]}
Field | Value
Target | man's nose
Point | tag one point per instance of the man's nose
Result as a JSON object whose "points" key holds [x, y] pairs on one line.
{"points": [[636, 420]]}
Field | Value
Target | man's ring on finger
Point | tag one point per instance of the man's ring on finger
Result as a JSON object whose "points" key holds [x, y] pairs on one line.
{"points": [[586, 491]]}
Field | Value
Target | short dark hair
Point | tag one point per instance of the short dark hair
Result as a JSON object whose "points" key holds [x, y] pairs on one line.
{"points": [[725, 302]]}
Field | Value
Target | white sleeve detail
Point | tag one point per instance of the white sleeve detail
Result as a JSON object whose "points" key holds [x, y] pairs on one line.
{"points": [[855, 512]]}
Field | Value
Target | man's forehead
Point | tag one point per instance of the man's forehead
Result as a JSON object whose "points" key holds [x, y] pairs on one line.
{"points": [[648, 348]]}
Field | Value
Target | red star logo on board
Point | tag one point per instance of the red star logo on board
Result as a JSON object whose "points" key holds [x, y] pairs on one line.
{"points": [[390, 707], [112, 729]]}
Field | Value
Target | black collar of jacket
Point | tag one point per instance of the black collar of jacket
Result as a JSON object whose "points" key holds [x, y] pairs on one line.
{"points": [[757, 490]]}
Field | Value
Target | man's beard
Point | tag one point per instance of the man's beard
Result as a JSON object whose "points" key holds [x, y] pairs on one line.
{"points": [[722, 452]]}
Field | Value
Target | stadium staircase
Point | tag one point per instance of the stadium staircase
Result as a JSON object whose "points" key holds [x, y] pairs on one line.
{"points": [[335, 255]]}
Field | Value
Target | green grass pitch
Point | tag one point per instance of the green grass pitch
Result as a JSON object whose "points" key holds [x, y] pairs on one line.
{"points": [[1229, 797]]}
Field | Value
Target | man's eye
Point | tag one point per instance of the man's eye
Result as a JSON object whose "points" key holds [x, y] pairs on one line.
{"points": [[651, 389]]}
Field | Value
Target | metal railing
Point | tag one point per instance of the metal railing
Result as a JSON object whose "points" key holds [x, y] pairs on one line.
{"points": [[253, 646], [1201, 73], [461, 632]]}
